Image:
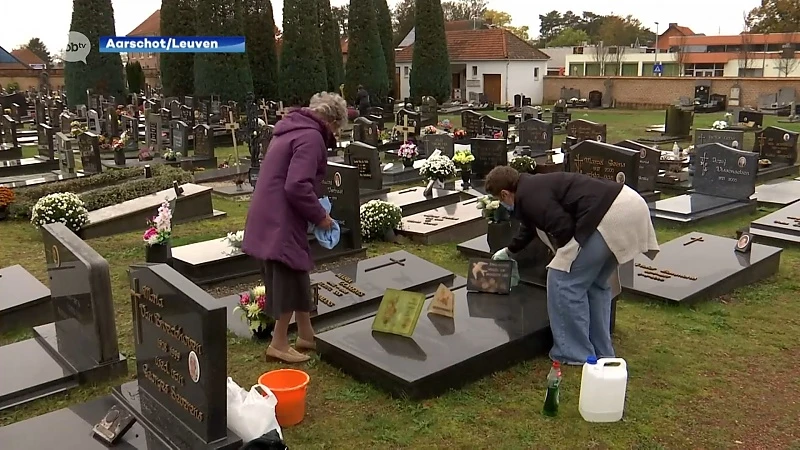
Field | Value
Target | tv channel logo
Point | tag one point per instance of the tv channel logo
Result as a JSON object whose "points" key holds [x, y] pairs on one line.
{"points": [[78, 47]]}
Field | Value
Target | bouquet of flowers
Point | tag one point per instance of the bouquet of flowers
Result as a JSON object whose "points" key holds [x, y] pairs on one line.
{"points": [[159, 228], [430, 129], [719, 125], [459, 133], [438, 168], [498, 135], [171, 155], [235, 239], [253, 305], [408, 150], [446, 125], [379, 217], [64, 207], [105, 146], [385, 135], [523, 164], [119, 143], [728, 118], [76, 128], [463, 158], [492, 210]]}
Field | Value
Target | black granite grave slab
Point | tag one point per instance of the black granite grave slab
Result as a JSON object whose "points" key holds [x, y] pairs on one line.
{"points": [[26, 166], [605, 161], [442, 142], [536, 134], [37, 179], [488, 153], [488, 333], [730, 138], [456, 222], [781, 228], [397, 173], [413, 200], [367, 159], [25, 301], [585, 130], [779, 194], [699, 267], [649, 160], [726, 172], [693, 208]]}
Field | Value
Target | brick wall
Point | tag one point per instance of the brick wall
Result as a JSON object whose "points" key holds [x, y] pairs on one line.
{"points": [[659, 92], [29, 78]]}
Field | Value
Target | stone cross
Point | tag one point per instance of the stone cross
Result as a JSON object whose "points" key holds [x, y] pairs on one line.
{"points": [[693, 240], [233, 125], [405, 129], [282, 112]]}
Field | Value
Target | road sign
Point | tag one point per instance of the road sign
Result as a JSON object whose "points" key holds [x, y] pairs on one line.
{"points": [[658, 69]]}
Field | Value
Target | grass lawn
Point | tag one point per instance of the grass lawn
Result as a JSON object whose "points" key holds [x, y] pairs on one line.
{"points": [[721, 375]]}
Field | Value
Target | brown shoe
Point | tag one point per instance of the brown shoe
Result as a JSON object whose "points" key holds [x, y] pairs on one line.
{"points": [[290, 356], [302, 344]]}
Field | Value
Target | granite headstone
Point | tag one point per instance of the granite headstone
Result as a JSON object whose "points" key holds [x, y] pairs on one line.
{"points": [[367, 160], [488, 153], [722, 171], [606, 161], [777, 145]]}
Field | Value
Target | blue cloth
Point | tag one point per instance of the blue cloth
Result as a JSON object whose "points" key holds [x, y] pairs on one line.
{"points": [[326, 238], [579, 304]]}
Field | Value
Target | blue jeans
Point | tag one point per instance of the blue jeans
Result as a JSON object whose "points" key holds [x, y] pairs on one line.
{"points": [[579, 304]]}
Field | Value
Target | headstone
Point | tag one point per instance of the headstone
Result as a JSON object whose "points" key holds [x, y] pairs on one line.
{"points": [[777, 145], [678, 121], [529, 112], [366, 131], [536, 134], [40, 111], [488, 153], [204, 141], [560, 118], [471, 121], [10, 140], [93, 122], [112, 122], [153, 132], [722, 171], [442, 142], [605, 161], [754, 117], [174, 109], [89, 147], [66, 158], [407, 123], [187, 115], [584, 130], [45, 144], [341, 186], [494, 128], [179, 137], [65, 119], [730, 138], [649, 160], [367, 160]]}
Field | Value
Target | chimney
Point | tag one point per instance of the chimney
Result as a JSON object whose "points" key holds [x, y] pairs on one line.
{"points": [[673, 24]]}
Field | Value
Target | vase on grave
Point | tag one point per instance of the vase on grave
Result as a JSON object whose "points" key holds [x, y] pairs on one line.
{"points": [[263, 332], [408, 162], [119, 156], [498, 235], [158, 253], [466, 174], [3, 212], [390, 236]]}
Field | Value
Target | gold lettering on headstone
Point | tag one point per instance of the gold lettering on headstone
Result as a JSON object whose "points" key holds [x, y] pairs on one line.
{"points": [[174, 331], [172, 392]]}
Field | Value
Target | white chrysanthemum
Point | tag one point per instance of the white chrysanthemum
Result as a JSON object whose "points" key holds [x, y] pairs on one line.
{"points": [[378, 217], [63, 207]]}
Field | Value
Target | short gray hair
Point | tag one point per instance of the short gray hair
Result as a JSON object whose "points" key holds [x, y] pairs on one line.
{"points": [[330, 106]]}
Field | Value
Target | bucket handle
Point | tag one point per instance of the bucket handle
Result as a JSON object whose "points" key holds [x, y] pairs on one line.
{"points": [[614, 363]]}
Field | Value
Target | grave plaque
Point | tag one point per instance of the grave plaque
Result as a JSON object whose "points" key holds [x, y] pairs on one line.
{"points": [[89, 148], [494, 127], [777, 145], [45, 144], [442, 142], [560, 118], [341, 185], [489, 276], [488, 153], [179, 136], [366, 131], [723, 171], [93, 122], [66, 159], [536, 134], [203, 141], [649, 159], [747, 117], [153, 132], [366, 159], [584, 130], [399, 312], [471, 121], [606, 161], [730, 138]]}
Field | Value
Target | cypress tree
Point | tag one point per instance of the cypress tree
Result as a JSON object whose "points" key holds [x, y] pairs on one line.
{"points": [[224, 74], [303, 72], [135, 75], [387, 41], [365, 61], [331, 46], [430, 63], [259, 32], [177, 69], [102, 71]]}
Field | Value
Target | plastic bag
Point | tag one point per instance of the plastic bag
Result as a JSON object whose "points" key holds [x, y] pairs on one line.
{"points": [[503, 255], [250, 414]]}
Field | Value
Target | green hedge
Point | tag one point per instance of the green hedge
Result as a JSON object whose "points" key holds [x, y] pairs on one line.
{"points": [[111, 195]]}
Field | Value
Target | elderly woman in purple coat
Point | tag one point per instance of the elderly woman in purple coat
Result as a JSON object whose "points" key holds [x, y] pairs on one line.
{"points": [[285, 201]]}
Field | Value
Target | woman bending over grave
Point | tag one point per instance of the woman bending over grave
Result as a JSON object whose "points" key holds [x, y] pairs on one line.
{"points": [[592, 225], [284, 202]]}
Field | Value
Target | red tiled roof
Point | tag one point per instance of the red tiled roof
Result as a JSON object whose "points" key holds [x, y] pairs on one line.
{"points": [[686, 31], [26, 56], [462, 25], [150, 27], [487, 44]]}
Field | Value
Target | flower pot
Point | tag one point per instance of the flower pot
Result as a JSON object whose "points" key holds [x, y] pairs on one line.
{"points": [[390, 236], [158, 254], [498, 236], [263, 332], [119, 157], [408, 162], [466, 174]]}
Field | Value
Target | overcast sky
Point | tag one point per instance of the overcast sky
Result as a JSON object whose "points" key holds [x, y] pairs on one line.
{"points": [[49, 19]]}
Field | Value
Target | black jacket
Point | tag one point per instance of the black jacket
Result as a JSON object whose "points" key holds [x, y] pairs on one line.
{"points": [[563, 205], [362, 98]]}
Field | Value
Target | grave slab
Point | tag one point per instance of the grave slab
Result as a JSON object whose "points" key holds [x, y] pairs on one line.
{"points": [[371, 277], [488, 333], [399, 174], [778, 194], [365, 195], [25, 301], [781, 228], [413, 200], [697, 269], [694, 208], [457, 222], [132, 215], [26, 166]]}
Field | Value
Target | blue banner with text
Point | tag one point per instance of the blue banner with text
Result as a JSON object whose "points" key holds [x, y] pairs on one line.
{"points": [[172, 44]]}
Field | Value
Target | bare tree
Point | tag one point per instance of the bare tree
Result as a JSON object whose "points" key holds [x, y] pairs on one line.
{"points": [[616, 55], [788, 60], [746, 54], [601, 56], [681, 54]]}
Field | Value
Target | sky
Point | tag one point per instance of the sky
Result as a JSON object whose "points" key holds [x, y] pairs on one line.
{"points": [[49, 19]]}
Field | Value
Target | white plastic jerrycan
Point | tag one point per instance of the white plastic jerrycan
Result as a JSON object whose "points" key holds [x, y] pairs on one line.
{"points": [[603, 386]]}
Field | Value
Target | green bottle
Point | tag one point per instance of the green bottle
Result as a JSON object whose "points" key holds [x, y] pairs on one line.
{"points": [[551, 398]]}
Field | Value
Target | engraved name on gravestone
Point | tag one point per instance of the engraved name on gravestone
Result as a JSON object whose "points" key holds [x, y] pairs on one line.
{"points": [[66, 159], [153, 132], [471, 121], [730, 138], [560, 117], [494, 127], [488, 153], [341, 186], [366, 131], [45, 145], [89, 148], [584, 130], [777, 145], [442, 142], [93, 122], [366, 159], [179, 337], [649, 160], [606, 161], [203, 141], [536, 134], [179, 136], [723, 171]]}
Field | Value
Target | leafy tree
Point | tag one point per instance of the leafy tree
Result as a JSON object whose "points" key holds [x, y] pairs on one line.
{"points": [[503, 20], [331, 46], [569, 37], [384, 19], [402, 19], [224, 74], [366, 64], [135, 75], [37, 47], [775, 16], [102, 71], [430, 63], [340, 14], [259, 32], [177, 69], [595, 26], [463, 9], [302, 68]]}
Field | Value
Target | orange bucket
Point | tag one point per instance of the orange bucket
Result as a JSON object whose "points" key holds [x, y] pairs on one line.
{"points": [[289, 387]]}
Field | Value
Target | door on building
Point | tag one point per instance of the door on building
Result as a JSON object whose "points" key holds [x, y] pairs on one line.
{"points": [[397, 83], [455, 83], [492, 87]]}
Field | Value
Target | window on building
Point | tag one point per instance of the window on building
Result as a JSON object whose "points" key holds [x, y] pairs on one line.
{"points": [[577, 50], [704, 70], [405, 71], [715, 49], [536, 73], [474, 71], [774, 47]]}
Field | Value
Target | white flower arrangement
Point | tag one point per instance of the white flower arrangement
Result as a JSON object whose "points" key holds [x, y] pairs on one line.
{"points": [[159, 231], [235, 239], [379, 217], [573, 100], [719, 125], [63, 207], [438, 168], [492, 210]]}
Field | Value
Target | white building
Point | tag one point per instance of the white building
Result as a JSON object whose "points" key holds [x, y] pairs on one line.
{"points": [[487, 60]]}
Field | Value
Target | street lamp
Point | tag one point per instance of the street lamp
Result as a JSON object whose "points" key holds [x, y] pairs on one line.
{"points": [[656, 60]]}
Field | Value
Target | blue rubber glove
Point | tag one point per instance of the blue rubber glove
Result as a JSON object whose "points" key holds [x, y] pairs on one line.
{"points": [[504, 255]]}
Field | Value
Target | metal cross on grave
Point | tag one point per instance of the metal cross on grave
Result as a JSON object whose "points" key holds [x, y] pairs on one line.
{"points": [[392, 261], [704, 162], [762, 140], [264, 109], [233, 125], [405, 129], [693, 240]]}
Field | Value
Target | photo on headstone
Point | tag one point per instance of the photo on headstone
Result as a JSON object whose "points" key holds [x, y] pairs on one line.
{"points": [[489, 276]]}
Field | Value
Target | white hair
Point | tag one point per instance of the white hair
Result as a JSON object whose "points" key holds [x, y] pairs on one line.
{"points": [[330, 106]]}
